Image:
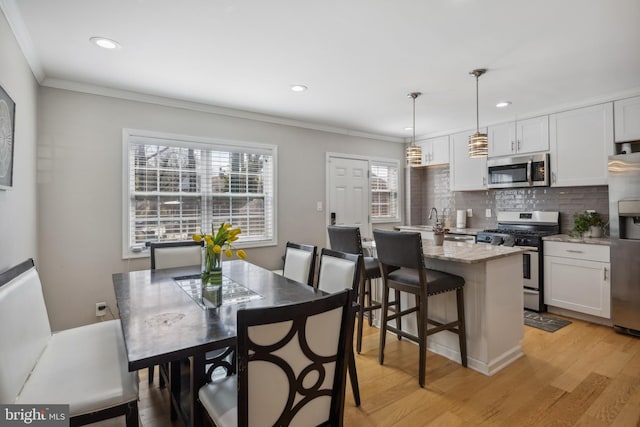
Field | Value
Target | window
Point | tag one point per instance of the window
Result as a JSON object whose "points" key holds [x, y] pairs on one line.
{"points": [[384, 191], [178, 186]]}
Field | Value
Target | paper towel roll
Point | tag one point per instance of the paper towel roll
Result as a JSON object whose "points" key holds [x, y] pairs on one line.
{"points": [[461, 220]]}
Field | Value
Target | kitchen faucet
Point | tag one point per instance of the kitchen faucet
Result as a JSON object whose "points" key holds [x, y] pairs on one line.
{"points": [[431, 215]]}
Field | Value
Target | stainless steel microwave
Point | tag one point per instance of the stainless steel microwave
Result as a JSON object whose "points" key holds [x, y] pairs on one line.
{"points": [[524, 171]]}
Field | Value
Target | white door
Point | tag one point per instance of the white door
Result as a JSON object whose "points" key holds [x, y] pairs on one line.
{"points": [[349, 193]]}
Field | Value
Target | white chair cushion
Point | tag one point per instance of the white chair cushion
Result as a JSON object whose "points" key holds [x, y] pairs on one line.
{"points": [[297, 264], [85, 367], [336, 274], [220, 400], [179, 256], [24, 331]]}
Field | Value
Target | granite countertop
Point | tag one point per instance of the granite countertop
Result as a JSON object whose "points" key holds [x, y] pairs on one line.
{"points": [[588, 240], [463, 231], [468, 253]]}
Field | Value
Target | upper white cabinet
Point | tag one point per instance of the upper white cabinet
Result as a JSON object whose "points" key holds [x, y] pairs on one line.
{"points": [[523, 136], [435, 151], [627, 119], [580, 142], [466, 174]]}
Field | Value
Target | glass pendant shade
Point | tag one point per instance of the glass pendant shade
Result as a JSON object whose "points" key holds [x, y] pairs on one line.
{"points": [[478, 145], [478, 142], [413, 154]]}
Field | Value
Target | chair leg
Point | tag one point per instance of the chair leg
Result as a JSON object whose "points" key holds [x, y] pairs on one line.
{"points": [[383, 323], [399, 318], [151, 369], [353, 378], [368, 292], [360, 316], [462, 329], [421, 303]]}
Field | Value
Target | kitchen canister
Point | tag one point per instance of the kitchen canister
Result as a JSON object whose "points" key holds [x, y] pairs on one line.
{"points": [[461, 220]]}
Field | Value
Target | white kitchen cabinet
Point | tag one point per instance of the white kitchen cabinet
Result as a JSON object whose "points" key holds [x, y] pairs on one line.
{"points": [[519, 137], [627, 119], [435, 151], [576, 277], [580, 142], [466, 174]]}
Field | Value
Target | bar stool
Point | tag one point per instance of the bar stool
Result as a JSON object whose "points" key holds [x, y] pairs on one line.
{"points": [[348, 240], [404, 250]]}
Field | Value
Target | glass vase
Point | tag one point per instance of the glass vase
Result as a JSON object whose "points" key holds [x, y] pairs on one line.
{"points": [[211, 278]]}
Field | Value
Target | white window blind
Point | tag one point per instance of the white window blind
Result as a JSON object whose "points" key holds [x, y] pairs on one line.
{"points": [[177, 187], [384, 191]]}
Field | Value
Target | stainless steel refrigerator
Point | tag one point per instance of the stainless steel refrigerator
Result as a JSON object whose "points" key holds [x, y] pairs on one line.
{"points": [[624, 224]]}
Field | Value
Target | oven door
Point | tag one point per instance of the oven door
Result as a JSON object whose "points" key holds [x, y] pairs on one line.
{"points": [[531, 280], [530, 269]]}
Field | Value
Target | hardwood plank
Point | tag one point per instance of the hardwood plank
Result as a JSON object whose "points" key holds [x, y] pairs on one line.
{"points": [[597, 370]]}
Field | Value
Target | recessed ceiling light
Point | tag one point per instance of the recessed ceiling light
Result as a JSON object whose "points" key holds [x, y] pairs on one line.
{"points": [[503, 104], [105, 43], [408, 128], [298, 88]]}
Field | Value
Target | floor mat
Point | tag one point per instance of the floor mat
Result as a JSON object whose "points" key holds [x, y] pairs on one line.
{"points": [[544, 321]]}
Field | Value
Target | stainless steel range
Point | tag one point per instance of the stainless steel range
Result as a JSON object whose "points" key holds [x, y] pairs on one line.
{"points": [[526, 229]]}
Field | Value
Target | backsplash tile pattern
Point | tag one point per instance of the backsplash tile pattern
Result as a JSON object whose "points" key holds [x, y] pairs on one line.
{"points": [[432, 184]]}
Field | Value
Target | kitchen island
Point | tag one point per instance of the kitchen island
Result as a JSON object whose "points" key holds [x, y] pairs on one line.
{"points": [[493, 303]]}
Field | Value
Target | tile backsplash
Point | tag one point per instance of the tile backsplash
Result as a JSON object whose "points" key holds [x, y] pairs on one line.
{"points": [[430, 188]]}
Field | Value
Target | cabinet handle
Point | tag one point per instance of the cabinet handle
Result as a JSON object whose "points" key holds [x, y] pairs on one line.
{"points": [[605, 274], [553, 177], [518, 145], [511, 145], [573, 251]]}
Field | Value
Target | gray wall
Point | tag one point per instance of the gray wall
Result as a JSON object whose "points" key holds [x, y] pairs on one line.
{"points": [[430, 187], [80, 187], [18, 231]]}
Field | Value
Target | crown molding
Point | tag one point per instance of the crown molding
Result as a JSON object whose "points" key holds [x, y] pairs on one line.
{"points": [[20, 32], [206, 108]]}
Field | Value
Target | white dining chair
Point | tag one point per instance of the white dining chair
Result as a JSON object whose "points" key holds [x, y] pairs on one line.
{"points": [[299, 262], [280, 350], [339, 271]]}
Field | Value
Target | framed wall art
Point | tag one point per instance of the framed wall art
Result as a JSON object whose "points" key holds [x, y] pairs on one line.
{"points": [[7, 126]]}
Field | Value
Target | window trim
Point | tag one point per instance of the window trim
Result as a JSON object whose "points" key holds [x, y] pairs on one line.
{"points": [[392, 163], [130, 135]]}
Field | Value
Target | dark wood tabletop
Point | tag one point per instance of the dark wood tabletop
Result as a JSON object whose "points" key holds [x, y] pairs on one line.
{"points": [[162, 323]]}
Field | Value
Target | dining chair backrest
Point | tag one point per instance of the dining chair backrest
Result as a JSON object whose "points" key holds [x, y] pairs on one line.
{"points": [[345, 239], [299, 262], [175, 254], [338, 271], [274, 374], [399, 248]]}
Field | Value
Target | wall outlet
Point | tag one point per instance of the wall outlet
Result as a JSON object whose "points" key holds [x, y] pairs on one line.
{"points": [[469, 213], [319, 206], [487, 213], [101, 309]]}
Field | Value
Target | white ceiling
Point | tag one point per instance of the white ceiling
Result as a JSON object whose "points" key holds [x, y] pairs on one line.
{"points": [[359, 58]]}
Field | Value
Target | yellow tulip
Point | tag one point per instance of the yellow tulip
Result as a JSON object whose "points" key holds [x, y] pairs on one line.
{"points": [[228, 253], [241, 254], [208, 240], [197, 238], [235, 232], [227, 226], [233, 239], [217, 249]]}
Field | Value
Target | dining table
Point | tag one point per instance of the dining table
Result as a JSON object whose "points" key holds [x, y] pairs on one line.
{"points": [[166, 321]]}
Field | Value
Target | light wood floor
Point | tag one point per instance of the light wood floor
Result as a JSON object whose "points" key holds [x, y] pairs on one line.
{"points": [[582, 375]]}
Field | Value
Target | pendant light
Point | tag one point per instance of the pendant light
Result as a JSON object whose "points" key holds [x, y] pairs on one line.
{"points": [[414, 152], [478, 142]]}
